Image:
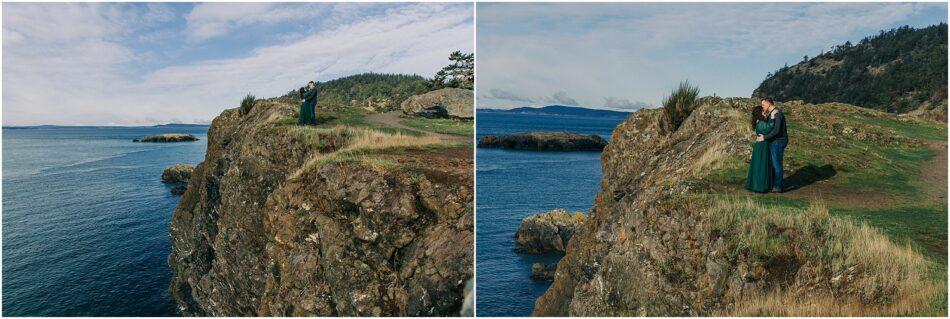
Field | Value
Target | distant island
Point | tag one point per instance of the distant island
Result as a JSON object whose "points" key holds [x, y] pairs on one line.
{"points": [[167, 138], [181, 125], [562, 110], [545, 141]]}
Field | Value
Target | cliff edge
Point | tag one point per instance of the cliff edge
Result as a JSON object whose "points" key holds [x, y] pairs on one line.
{"points": [[345, 218], [672, 233]]}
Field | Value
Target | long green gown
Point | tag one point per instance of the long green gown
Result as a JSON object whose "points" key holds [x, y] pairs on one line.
{"points": [[760, 167], [306, 112]]}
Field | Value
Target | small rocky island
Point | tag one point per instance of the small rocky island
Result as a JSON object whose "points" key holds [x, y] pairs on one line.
{"points": [[167, 138], [545, 141], [548, 231], [178, 175]]}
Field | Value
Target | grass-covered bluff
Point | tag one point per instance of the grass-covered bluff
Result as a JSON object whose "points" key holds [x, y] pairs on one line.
{"points": [[351, 217], [673, 233]]}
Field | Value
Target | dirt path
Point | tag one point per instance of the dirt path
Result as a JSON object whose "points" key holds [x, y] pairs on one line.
{"points": [[932, 183], [392, 119], [933, 173]]}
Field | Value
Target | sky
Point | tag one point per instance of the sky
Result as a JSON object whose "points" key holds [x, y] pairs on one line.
{"points": [[155, 63], [628, 56]]}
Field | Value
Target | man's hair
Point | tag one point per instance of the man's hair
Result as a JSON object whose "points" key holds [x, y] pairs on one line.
{"points": [[768, 99], [312, 82]]}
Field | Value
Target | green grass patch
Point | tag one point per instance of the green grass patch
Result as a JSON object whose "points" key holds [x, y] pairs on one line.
{"points": [[911, 127], [442, 126], [347, 116]]}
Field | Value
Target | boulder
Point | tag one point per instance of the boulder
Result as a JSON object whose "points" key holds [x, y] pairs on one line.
{"points": [[545, 141], [548, 231], [542, 271], [179, 174], [444, 103]]}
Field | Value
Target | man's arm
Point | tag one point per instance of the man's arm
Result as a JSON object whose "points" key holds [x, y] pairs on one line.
{"points": [[310, 94], [777, 128]]}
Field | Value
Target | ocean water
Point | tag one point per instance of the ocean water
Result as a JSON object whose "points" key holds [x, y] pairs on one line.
{"points": [[85, 220], [515, 184]]}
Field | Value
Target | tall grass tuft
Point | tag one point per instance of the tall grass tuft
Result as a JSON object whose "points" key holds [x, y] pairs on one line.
{"points": [[247, 103], [678, 106]]}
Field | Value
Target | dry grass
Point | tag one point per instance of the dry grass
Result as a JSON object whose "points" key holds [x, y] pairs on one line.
{"points": [[847, 269], [343, 143], [717, 150]]}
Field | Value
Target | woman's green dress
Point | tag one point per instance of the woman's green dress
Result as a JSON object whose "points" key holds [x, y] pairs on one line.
{"points": [[306, 112], [760, 167]]}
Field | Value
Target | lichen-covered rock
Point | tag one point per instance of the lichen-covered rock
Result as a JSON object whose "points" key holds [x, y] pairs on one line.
{"points": [[264, 231], [177, 174], [541, 271], [545, 141], [548, 231], [167, 138], [446, 103]]}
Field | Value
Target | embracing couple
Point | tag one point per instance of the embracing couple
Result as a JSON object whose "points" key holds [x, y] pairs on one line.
{"points": [[308, 109], [771, 137]]}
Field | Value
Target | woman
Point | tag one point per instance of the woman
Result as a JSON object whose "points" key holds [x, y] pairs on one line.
{"points": [[760, 167], [307, 114]]}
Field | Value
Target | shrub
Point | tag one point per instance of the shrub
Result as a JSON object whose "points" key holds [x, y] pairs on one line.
{"points": [[678, 106], [247, 104]]}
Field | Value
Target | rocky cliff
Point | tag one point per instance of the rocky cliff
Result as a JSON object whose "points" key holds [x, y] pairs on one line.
{"points": [[667, 237], [329, 220]]}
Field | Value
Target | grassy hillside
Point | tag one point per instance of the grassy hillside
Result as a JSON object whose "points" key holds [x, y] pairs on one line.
{"points": [[371, 91], [897, 71], [873, 168]]}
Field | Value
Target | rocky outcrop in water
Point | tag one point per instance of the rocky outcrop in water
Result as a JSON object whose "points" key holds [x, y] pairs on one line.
{"points": [[177, 174], [548, 231], [444, 103], [541, 271], [655, 245], [266, 229], [545, 141], [167, 138]]}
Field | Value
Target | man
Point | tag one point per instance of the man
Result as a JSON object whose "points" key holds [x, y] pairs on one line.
{"points": [[313, 103], [778, 139]]}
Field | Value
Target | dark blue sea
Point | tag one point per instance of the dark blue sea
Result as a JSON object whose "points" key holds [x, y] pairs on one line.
{"points": [[85, 220], [514, 184]]}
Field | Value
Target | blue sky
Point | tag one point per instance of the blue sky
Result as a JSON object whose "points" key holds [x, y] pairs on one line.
{"points": [[628, 56], [150, 63]]}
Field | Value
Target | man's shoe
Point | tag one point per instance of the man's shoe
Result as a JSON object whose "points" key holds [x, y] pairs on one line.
{"points": [[776, 191]]}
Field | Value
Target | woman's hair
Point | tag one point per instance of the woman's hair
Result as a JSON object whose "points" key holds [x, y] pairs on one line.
{"points": [[756, 115]]}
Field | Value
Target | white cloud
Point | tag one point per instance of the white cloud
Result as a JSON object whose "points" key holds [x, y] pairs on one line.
{"points": [[639, 51], [88, 76]]}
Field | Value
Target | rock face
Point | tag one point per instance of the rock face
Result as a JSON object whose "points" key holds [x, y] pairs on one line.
{"points": [[545, 141], [541, 271], [653, 246], [548, 231], [177, 174], [445, 103], [167, 138], [264, 230]]}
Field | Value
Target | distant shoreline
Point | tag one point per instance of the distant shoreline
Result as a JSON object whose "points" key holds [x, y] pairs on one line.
{"points": [[28, 127], [560, 110]]}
